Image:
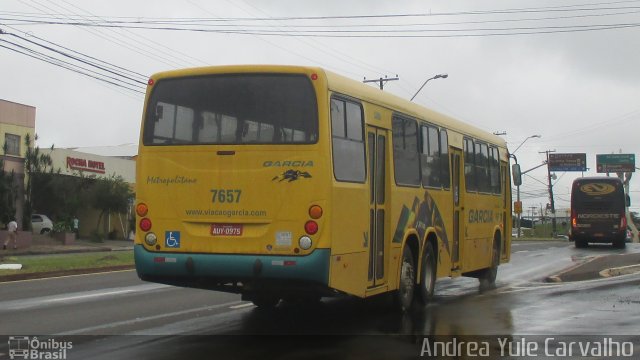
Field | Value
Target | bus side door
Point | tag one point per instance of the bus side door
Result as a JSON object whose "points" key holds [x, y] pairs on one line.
{"points": [[458, 207], [378, 249]]}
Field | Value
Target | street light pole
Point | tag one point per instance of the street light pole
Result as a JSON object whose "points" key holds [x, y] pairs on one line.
{"points": [[518, 186], [525, 140], [439, 76]]}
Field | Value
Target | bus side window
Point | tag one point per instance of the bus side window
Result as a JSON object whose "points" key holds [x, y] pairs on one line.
{"points": [[347, 134], [469, 166], [430, 157], [444, 159], [405, 152], [494, 170]]}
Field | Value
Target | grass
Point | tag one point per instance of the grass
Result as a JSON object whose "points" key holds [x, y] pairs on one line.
{"points": [[62, 262], [543, 232]]}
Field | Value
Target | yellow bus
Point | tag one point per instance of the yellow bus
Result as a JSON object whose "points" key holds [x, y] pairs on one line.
{"points": [[294, 183]]}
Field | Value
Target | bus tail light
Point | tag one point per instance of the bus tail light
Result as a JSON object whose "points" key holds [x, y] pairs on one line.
{"points": [[311, 227], [315, 212], [142, 209], [574, 219], [623, 222], [145, 224]]}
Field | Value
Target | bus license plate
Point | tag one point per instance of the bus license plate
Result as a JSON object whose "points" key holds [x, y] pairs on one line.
{"points": [[226, 229]]}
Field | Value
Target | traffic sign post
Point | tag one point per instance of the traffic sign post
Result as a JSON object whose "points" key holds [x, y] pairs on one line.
{"points": [[517, 207], [615, 163]]}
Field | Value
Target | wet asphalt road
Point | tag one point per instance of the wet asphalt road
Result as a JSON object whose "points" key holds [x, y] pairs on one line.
{"points": [[162, 322]]}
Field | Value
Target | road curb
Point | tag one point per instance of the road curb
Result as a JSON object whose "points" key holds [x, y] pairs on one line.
{"points": [[623, 270], [597, 267], [557, 278]]}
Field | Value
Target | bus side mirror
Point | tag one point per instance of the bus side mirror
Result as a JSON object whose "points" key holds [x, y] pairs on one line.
{"points": [[627, 200], [516, 174]]}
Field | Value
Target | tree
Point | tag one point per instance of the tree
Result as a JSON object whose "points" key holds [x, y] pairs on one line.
{"points": [[38, 169], [8, 193], [110, 194]]}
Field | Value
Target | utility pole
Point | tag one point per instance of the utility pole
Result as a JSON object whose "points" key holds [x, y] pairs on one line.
{"points": [[382, 81], [553, 206], [626, 179]]}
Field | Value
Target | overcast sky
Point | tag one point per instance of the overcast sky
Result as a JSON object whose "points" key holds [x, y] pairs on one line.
{"points": [[566, 70]]}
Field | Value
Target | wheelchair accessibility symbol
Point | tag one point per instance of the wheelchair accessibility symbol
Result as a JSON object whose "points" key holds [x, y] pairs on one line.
{"points": [[172, 239]]}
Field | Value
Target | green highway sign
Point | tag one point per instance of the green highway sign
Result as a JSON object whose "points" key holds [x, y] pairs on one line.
{"points": [[613, 163]]}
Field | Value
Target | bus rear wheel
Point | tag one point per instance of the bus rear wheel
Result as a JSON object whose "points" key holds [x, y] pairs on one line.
{"points": [[581, 244], [428, 275], [619, 243], [265, 301], [406, 286], [488, 276]]}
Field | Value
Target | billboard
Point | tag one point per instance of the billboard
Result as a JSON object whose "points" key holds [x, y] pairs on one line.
{"points": [[613, 163], [568, 162]]}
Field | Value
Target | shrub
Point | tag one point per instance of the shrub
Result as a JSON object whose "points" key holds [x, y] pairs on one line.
{"points": [[61, 227]]}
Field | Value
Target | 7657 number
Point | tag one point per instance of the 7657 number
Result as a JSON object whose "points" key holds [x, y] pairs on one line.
{"points": [[225, 196]]}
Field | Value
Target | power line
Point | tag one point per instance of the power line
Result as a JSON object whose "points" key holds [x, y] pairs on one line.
{"points": [[98, 33], [229, 25], [125, 77], [224, 22], [323, 47], [74, 61], [39, 56], [590, 7], [359, 34], [146, 42]]}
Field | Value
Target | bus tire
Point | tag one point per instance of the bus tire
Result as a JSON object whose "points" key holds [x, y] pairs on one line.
{"points": [[427, 275], [407, 281], [619, 243], [265, 301], [488, 276], [303, 301]]}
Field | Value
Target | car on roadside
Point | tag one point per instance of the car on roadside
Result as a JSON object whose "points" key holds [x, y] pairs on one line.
{"points": [[41, 224]]}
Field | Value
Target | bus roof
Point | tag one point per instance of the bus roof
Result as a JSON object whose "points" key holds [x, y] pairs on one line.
{"points": [[342, 84], [598, 178], [369, 93]]}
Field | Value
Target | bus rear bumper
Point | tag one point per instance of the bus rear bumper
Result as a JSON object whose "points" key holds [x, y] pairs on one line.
{"points": [[609, 238], [225, 271]]}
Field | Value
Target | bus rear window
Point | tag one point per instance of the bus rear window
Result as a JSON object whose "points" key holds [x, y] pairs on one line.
{"points": [[597, 194], [232, 109]]}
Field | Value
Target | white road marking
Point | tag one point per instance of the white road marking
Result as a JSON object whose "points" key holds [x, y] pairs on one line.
{"points": [[241, 306], [94, 329], [44, 301], [65, 276]]}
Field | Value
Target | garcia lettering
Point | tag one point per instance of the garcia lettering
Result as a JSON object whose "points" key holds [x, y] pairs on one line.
{"points": [[480, 216], [287, 163]]}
